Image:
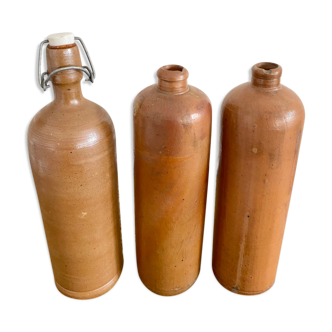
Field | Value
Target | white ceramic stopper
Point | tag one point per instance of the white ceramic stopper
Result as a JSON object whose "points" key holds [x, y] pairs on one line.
{"points": [[63, 38]]}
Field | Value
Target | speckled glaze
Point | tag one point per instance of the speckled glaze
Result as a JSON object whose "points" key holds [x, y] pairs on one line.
{"points": [[262, 126], [172, 129], [73, 159]]}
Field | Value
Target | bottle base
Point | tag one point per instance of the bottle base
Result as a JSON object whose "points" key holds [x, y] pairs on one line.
{"points": [[168, 293], [235, 290], [90, 294], [172, 292]]}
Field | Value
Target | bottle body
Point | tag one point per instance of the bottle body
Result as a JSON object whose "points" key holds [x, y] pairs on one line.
{"points": [[261, 134], [171, 146], [72, 153]]}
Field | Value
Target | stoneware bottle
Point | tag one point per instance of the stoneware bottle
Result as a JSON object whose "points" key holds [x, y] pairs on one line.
{"points": [[262, 123], [172, 129], [73, 159]]}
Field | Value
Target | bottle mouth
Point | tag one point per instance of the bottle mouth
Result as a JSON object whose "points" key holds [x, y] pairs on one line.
{"points": [[174, 68], [172, 73], [267, 67], [266, 70]]}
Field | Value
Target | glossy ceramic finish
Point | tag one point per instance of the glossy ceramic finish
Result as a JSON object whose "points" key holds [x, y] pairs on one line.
{"points": [[262, 126], [172, 129], [73, 159]]}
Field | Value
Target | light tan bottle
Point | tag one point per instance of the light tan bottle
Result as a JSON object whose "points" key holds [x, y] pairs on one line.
{"points": [[262, 126], [73, 159], [172, 130]]}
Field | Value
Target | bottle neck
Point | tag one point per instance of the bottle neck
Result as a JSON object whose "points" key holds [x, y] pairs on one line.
{"points": [[67, 83], [266, 75], [66, 94], [172, 79]]}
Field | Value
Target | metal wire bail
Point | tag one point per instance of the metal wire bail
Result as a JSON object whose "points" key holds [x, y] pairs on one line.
{"points": [[44, 78]]}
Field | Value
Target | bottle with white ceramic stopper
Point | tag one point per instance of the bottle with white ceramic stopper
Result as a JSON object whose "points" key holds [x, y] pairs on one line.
{"points": [[73, 159]]}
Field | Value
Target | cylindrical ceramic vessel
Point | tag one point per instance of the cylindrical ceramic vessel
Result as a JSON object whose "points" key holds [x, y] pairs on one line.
{"points": [[262, 124], [172, 129], [73, 159]]}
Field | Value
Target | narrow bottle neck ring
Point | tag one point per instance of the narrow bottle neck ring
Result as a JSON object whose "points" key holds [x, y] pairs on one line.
{"points": [[266, 75], [172, 79]]}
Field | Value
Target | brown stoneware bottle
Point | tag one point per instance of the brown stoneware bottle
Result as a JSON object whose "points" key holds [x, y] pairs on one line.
{"points": [[262, 126], [73, 159], [172, 129]]}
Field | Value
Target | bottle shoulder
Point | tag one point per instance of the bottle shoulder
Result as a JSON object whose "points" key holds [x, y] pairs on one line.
{"points": [[158, 105], [250, 101], [82, 124]]}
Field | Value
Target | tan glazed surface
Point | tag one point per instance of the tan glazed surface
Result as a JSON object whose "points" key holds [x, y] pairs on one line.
{"points": [[73, 159], [262, 126], [172, 129]]}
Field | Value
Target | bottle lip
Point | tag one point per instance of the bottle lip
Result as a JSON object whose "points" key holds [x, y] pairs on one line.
{"points": [[172, 73], [266, 70], [62, 46]]}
